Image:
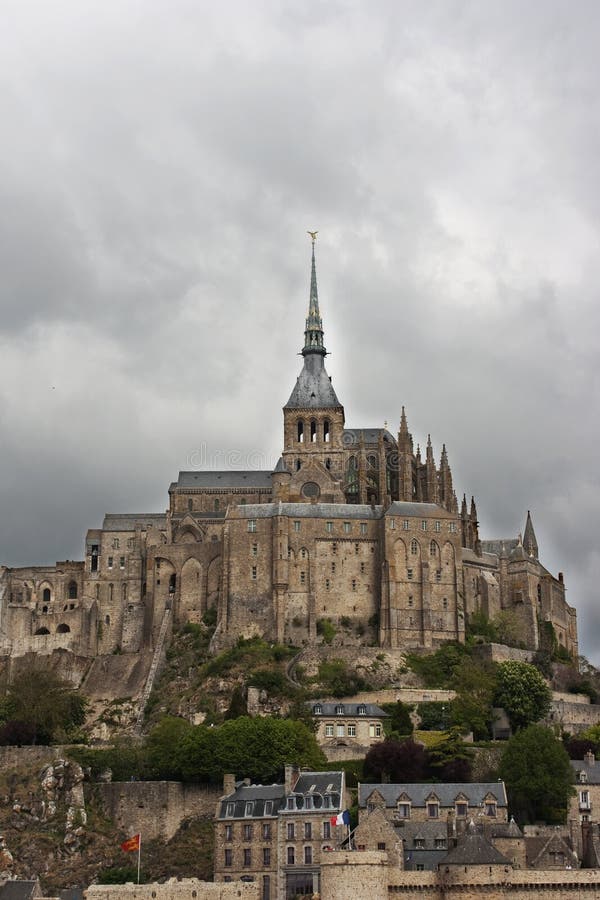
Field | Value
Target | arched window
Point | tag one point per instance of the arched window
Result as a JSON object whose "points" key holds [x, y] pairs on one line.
{"points": [[539, 593], [44, 609], [432, 548], [46, 596], [327, 463], [172, 583], [298, 465], [72, 590], [414, 547], [190, 503], [326, 431], [372, 461], [107, 620], [110, 593], [300, 431], [124, 592], [63, 629], [313, 431], [42, 631]]}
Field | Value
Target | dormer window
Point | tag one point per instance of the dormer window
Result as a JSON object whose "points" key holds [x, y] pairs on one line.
{"points": [[268, 807], [249, 809], [583, 777], [362, 710], [340, 710], [230, 809], [317, 709]]}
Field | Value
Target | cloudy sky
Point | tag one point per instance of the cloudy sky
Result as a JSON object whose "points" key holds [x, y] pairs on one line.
{"points": [[160, 165]]}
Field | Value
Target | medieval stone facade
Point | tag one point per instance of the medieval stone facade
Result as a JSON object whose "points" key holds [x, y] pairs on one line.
{"points": [[353, 523]]}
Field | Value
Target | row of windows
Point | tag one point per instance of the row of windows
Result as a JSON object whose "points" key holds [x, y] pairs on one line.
{"points": [[71, 593], [297, 526], [350, 730], [437, 525], [461, 809], [307, 856], [111, 560], [347, 526], [116, 543], [265, 830], [311, 434]]}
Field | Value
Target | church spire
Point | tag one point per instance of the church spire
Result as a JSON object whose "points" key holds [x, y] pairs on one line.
{"points": [[529, 539], [313, 332]]}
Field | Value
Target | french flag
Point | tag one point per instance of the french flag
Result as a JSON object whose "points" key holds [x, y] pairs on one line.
{"points": [[342, 818]]}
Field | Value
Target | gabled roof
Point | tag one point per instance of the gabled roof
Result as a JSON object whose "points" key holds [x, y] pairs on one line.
{"points": [[248, 478], [407, 508], [447, 793], [350, 709], [307, 511], [591, 771], [128, 521], [351, 437]]}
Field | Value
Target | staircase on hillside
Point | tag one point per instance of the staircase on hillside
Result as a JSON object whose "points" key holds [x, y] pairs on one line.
{"points": [[157, 659]]}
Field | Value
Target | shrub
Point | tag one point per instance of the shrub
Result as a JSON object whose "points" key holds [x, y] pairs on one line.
{"points": [[326, 629]]}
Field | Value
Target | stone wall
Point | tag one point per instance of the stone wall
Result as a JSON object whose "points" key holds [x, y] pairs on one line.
{"points": [[574, 716], [501, 653], [187, 889], [154, 808]]}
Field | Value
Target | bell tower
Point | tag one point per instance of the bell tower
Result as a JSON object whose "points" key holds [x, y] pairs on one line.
{"points": [[313, 417]]}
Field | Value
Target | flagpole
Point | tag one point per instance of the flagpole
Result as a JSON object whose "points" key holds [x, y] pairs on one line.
{"points": [[139, 856]]}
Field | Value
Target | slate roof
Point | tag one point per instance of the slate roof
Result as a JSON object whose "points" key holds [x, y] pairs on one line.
{"points": [[19, 890], [313, 388], [486, 559], [308, 511], [350, 709], [592, 772], [128, 521], [429, 859], [500, 547], [255, 793], [234, 478], [446, 793], [407, 508], [473, 849], [317, 783], [351, 436]]}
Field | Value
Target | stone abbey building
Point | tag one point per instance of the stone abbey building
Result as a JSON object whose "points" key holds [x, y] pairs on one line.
{"points": [[353, 523]]}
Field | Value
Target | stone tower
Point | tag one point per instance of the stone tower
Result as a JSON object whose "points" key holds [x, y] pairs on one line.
{"points": [[314, 417]]}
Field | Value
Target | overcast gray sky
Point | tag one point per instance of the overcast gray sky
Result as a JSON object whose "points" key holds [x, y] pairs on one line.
{"points": [[160, 165]]}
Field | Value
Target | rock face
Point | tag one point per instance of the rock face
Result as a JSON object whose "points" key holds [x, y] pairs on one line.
{"points": [[62, 786]]}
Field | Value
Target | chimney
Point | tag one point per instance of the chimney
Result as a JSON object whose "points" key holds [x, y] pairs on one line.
{"points": [[228, 784], [292, 774], [589, 758], [561, 577]]}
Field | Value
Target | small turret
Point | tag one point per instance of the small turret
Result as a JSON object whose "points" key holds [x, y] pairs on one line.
{"points": [[529, 540]]}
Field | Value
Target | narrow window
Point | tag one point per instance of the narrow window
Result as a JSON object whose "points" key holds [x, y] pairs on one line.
{"points": [[124, 592], [392, 524], [414, 547], [424, 525], [409, 574], [313, 431], [302, 577], [326, 830], [46, 595], [432, 548], [228, 856], [347, 527], [253, 573], [354, 584], [438, 575], [300, 432], [405, 525], [327, 584], [190, 504], [266, 856], [290, 856], [172, 583], [247, 857], [362, 568], [298, 465], [115, 543], [216, 505], [308, 831], [94, 559], [121, 562], [290, 831], [308, 855], [229, 832], [445, 603], [252, 525], [438, 526], [327, 463], [329, 527], [296, 526], [351, 730], [247, 832], [255, 550], [110, 562]]}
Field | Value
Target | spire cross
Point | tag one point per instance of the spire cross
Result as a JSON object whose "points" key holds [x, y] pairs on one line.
{"points": [[313, 235]]}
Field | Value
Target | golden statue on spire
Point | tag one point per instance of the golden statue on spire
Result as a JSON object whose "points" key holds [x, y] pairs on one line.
{"points": [[313, 235]]}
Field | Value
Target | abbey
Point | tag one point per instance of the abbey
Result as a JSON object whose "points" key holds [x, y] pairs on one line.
{"points": [[354, 524]]}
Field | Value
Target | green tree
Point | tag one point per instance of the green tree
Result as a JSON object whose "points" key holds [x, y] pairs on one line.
{"points": [[437, 669], [399, 721], [238, 706], [475, 686], [450, 759], [40, 698], [538, 776], [255, 748], [522, 692], [163, 747]]}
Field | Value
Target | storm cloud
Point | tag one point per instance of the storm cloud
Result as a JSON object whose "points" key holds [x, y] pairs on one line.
{"points": [[160, 165]]}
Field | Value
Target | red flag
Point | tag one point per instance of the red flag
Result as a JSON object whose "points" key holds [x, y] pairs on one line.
{"points": [[132, 845]]}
